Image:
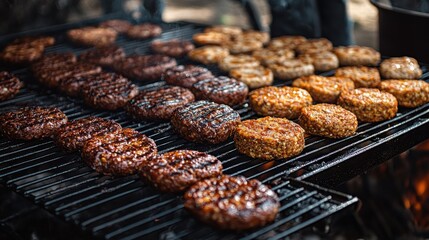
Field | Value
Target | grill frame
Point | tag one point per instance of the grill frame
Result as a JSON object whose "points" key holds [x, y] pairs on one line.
{"points": [[52, 193]]}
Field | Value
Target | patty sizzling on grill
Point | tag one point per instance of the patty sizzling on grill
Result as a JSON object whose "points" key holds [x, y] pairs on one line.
{"points": [[357, 56], [92, 36], [9, 85], [253, 77], [177, 170], [291, 68], [314, 45], [31, 123], [72, 86], [204, 121], [289, 42], [143, 31], [221, 90], [173, 47], [269, 138], [208, 54], [73, 134], [25, 49], [268, 56], [120, 26], [159, 104], [321, 61], [230, 30], [211, 38], [400, 68], [409, 93], [104, 56], [108, 93], [232, 202], [52, 61], [148, 67], [237, 61], [185, 76], [363, 77], [118, 154]]}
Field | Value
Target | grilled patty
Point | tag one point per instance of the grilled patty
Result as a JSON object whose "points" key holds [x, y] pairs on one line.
{"points": [[269, 138], [120, 26], [232, 202], [321, 61], [211, 38], [92, 36], [177, 170], [369, 104], [208, 54], [143, 31], [25, 49], [204, 121], [104, 56], [284, 102], [72, 86], [268, 56], [172, 48], [31, 123], [185, 76], [363, 77], [314, 45], [357, 56], [400, 68], [52, 61], [328, 120], [237, 61], [253, 77], [221, 90], [245, 45], [159, 104], [230, 30], [9, 85], [118, 154], [108, 93], [148, 67], [409, 93], [291, 68], [289, 42], [73, 134]]}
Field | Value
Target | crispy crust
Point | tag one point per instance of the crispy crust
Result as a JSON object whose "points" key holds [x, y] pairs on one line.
{"points": [[314, 45], [31, 123], [400, 68], [324, 89], [185, 76], [409, 93], [237, 61], [357, 56], [269, 138], [104, 56], [211, 38], [173, 47], [177, 170], [253, 204], [143, 31], [328, 120], [9, 85], [363, 77], [92, 36], [290, 42], [369, 104], [208, 54], [118, 154], [285, 102], [322, 61], [253, 77], [269, 56], [291, 68]]}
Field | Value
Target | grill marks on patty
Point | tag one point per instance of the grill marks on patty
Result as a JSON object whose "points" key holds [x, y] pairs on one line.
{"points": [[148, 67], [9, 85]]}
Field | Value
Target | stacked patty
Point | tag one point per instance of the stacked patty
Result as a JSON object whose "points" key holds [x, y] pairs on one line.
{"points": [[9, 85], [148, 67], [186, 76]]}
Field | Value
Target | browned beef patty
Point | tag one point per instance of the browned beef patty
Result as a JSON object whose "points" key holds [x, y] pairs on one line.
{"points": [[221, 89], [177, 170], [92, 36], [409, 93], [159, 104], [52, 61], [118, 154], [72, 86], [172, 48], [104, 56], [205, 121], [143, 31], [73, 134], [31, 122], [186, 76], [148, 67], [44, 41], [108, 93], [21, 53], [120, 26], [232, 202], [9, 85]]}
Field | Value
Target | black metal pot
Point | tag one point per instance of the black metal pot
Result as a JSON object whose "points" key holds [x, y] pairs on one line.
{"points": [[403, 29]]}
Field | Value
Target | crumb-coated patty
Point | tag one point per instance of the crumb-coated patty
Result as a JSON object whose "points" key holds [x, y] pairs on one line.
{"points": [[253, 77], [147, 67], [159, 104], [363, 77], [208, 54], [324, 89], [400, 68], [328, 120], [268, 56], [221, 90], [205, 121], [409, 93], [73, 134], [177, 170], [230, 30], [185, 76], [285, 102], [357, 56], [104, 56], [269, 138], [173, 47], [291, 68], [120, 153], [289, 42], [143, 31], [237, 61], [232, 202], [211, 38], [120, 26], [369, 104], [108, 93], [9, 85], [314, 45], [31, 122], [92, 36], [72, 86], [322, 61]]}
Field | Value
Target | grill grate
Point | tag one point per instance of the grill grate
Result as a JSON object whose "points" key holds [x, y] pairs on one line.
{"points": [[126, 208]]}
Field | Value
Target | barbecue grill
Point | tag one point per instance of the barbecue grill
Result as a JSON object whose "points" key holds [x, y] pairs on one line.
{"points": [[127, 208]]}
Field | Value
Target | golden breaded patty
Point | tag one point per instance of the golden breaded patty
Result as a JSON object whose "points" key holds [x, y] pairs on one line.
{"points": [[291, 68], [289, 42], [322, 61], [363, 77], [409, 93], [211, 38], [253, 77], [237, 61], [314, 45], [400, 68], [208, 54], [268, 56], [357, 56]]}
